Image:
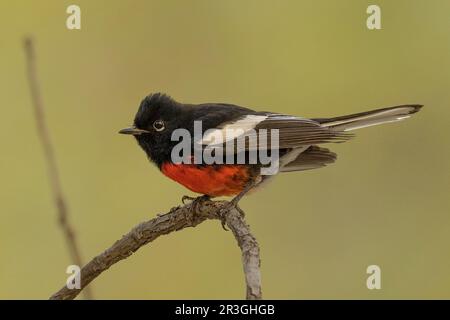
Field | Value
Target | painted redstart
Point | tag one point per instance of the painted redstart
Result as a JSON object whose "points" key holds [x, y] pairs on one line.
{"points": [[159, 116]]}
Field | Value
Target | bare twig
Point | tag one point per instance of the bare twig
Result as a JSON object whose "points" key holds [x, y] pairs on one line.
{"points": [[178, 218], [52, 168]]}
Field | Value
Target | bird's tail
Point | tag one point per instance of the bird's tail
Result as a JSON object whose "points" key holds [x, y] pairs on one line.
{"points": [[370, 118]]}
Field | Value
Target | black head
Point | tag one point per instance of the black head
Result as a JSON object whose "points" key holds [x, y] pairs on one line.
{"points": [[157, 117]]}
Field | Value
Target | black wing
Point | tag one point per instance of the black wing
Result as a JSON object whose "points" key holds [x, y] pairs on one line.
{"points": [[293, 132]]}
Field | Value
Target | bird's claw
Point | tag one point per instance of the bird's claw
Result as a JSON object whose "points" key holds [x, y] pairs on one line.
{"points": [[222, 216], [226, 208], [187, 198], [196, 202]]}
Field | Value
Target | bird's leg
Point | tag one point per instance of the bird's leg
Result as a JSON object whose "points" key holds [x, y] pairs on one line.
{"points": [[233, 204]]}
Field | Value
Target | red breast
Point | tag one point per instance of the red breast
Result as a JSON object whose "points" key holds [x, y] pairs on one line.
{"points": [[212, 180]]}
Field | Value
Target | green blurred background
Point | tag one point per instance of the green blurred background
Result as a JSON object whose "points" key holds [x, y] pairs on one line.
{"points": [[385, 201]]}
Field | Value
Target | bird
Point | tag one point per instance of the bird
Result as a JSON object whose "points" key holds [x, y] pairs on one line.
{"points": [[299, 144]]}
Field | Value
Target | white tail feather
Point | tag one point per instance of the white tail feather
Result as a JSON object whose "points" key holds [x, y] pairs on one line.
{"points": [[371, 118]]}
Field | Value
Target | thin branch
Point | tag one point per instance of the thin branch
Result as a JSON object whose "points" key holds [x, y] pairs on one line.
{"points": [[178, 218], [52, 168]]}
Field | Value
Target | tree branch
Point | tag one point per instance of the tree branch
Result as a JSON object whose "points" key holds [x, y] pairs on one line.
{"points": [[52, 168], [178, 218], [189, 215]]}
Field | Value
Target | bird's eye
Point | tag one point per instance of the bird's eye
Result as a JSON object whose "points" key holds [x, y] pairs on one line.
{"points": [[158, 125]]}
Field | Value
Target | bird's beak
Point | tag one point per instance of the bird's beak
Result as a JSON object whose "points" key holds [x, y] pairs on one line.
{"points": [[133, 130]]}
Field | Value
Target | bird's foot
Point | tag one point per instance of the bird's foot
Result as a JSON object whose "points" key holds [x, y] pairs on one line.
{"points": [[226, 208], [185, 198], [196, 203]]}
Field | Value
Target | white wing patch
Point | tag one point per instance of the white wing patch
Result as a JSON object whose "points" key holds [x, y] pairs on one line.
{"points": [[232, 130]]}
